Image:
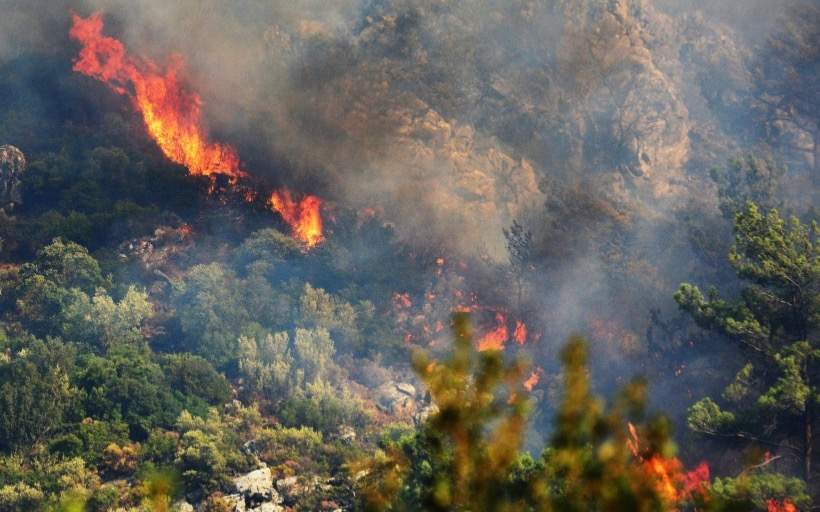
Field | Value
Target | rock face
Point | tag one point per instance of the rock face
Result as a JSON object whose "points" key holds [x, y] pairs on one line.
{"points": [[256, 485], [396, 398], [255, 492], [456, 135], [12, 167]]}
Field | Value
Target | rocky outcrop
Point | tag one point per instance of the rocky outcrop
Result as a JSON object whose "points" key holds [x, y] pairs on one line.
{"points": [[12, 167], [159, 254], [398, 399], [255, 492]]}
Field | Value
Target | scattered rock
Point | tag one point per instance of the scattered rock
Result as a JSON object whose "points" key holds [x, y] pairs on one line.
{"points": [[347, 434], [268, 507], [236, 502], [256, 485], [256, 488], [182, 506]]}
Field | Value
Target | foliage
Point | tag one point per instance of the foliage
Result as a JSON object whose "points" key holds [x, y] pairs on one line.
{"points": [[36, 394], [772, 398], [210, 311], [467, 455]]}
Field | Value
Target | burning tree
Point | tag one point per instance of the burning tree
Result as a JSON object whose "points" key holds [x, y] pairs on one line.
{"points": [[466, 456]]}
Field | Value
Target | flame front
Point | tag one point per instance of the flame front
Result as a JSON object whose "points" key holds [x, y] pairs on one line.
{"points": [[497, 338], [172, 115], [173, 118], [304, 216]]}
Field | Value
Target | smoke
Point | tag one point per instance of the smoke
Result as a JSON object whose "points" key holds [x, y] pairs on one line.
{"points": [[593, 123]]}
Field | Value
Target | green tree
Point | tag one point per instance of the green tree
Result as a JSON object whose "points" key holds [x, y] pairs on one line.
{"points": [[265, 362], [467, 454], [127, 384], [62, 274], [211, 312], [102, 322], [193, 375], [772, 399], [36, 393]]}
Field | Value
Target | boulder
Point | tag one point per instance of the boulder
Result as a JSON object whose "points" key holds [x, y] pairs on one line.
{"points": [[257, 486], [182, 506], [236, 502], [268, 507]]}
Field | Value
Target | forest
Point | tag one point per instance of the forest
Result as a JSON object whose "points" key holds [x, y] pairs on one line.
{"points": [[400, 255]]}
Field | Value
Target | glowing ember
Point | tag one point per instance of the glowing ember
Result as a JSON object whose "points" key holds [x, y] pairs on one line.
{"points": [[495, 339], [533, 379], [171, 114], [520, 332], [304, 217]]}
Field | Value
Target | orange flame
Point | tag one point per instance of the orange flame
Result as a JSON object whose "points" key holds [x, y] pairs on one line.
{"points": [[171, 114], [778, 506], [520, 333], [672, 483], [533, 380], [304, 217], [495, 339]]}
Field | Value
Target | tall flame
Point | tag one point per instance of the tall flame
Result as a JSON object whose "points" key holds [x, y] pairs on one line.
{"points": [[497, 338], [171, 114], [304, 216], [173, 118]]}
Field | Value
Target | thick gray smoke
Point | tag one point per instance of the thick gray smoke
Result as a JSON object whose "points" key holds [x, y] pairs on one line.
{"points": [[444, 116], [592, 122]]}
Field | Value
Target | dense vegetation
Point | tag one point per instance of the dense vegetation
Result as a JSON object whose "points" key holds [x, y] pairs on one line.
{"points": [[160, 337]]}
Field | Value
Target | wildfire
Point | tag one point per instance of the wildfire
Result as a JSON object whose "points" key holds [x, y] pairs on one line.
{"points": [[173, 118], [778, 506], [304, 217], [172, 115], [533, 380], [495, 339], [520, 332], [671, 481]]}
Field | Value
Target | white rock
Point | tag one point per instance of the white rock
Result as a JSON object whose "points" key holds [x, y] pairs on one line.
{"points": [[257, 484]]}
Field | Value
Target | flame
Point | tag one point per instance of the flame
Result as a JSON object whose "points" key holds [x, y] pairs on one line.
{"points": [[172, 115], [780, 506], [304, 217], [520, 332], [672, 483], [495, 339]]}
